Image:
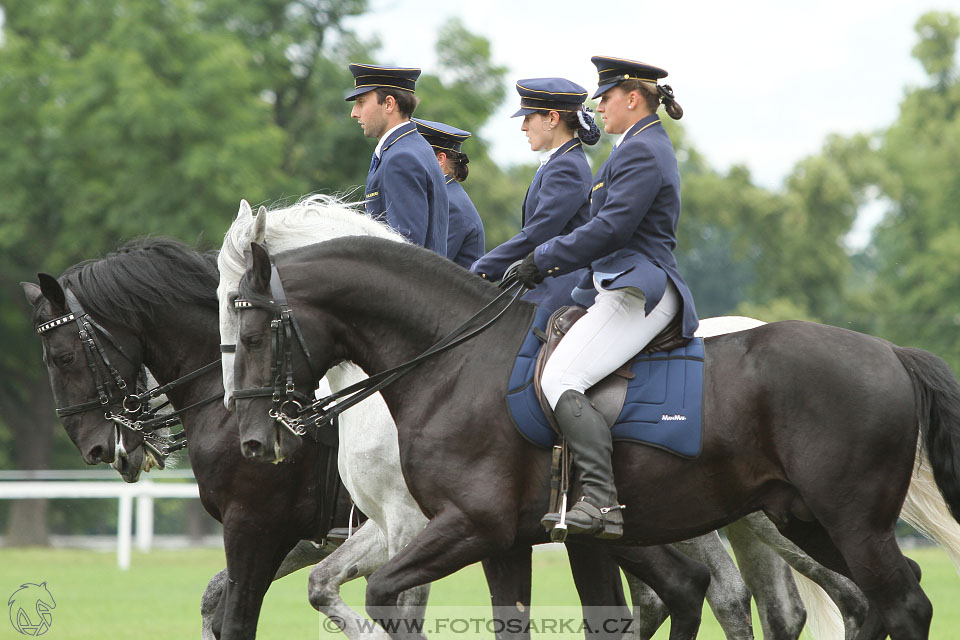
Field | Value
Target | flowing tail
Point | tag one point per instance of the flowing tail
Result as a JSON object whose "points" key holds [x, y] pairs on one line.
{"points": [[824, 621], [938, 396]]}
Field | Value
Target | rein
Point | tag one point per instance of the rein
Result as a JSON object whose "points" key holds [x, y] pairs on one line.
{"points": [[137, 415], [313, 415]]}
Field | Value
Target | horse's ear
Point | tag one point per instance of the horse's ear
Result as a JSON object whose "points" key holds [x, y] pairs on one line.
{"points": [[245, 210], [260, 226], [258, 267], [52, 291], [32, 292]]}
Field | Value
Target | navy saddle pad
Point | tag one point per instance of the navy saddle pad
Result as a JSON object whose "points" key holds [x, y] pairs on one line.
{"points": [[662, 409]]}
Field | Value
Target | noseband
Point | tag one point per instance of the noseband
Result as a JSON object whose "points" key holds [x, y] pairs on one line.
{"points": [[135, 411], [312, 415]]}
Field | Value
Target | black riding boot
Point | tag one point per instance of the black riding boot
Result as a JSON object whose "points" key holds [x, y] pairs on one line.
{"points": [[598, 512]]}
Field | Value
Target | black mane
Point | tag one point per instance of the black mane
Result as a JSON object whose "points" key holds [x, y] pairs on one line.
{"points": [[401, 256], [142, 275]]}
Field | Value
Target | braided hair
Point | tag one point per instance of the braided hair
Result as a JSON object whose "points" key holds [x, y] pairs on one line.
{"points": [[582, 124], [456, 164]]}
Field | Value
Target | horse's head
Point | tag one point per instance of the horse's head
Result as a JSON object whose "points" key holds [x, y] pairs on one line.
{"points": [[246, 229], [93, 366], [272, 369]]}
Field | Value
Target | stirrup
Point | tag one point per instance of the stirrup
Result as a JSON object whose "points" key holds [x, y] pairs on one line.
{"points": [[555, 525]]}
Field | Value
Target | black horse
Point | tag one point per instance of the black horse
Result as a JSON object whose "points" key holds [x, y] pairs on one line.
{"points": [[814, 425], [154, 303], [157, 302]]}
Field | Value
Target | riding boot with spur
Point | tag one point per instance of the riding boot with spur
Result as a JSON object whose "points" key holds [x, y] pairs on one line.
{"points": [[588, 435]]}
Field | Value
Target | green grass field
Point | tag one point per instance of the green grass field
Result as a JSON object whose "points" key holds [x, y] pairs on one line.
{"points": [[159, 596]]}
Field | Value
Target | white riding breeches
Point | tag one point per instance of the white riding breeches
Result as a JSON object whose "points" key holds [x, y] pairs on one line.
{"points": [[614, 329]]}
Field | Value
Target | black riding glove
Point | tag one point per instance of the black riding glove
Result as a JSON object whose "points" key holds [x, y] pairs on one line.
{"points": [[528, 273]]}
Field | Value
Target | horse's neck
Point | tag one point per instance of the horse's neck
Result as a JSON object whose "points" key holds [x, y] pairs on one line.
{"points": [[177, 341], [395, 319], [387, 327]]}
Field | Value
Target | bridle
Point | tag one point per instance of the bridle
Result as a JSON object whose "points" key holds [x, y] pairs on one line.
{"points": [[135, 412], [284, 329], [304, 416]]}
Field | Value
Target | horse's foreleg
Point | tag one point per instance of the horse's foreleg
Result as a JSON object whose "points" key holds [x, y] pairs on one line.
{"points": [[252, 562], [359, 556], [508, 577], [212, 602], [597, 577], [847, 596], [728, 595], [449, 542], [679, 581]]}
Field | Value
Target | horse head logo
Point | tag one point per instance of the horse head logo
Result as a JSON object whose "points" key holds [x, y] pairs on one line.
{"points": [[30, 607]]}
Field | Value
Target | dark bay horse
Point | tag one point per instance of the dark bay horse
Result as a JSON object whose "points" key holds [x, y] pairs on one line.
{"points": [[157, 300], [814, 425], [154, 303]]}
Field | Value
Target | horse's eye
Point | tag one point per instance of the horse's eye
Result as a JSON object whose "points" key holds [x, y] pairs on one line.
{"points": [[65, 360], [253, 342]]}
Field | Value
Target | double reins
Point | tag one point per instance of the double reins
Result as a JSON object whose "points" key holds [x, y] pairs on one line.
{"points": [[135, 412], [308, 416]]}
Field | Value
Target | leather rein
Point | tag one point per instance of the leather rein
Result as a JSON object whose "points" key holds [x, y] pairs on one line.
{"points": [[304, 416], [135, 412]]}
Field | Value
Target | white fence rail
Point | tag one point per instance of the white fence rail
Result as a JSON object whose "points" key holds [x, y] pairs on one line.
{"points": [[20, 485]]}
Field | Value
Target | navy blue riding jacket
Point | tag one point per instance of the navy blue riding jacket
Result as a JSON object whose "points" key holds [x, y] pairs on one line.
{"points": [[556, 203], [407, 187], [635, 207], [465, 242]]}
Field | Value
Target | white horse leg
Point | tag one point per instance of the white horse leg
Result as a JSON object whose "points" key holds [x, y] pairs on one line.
{"points": [[728, 596], [782, 613], [649, 612], [369, 461], [850, 601], [406, 521], [362, 554], [209, 603]]}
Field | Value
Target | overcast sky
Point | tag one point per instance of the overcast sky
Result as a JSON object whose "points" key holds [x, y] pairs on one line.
{"points": [[762, 82]]}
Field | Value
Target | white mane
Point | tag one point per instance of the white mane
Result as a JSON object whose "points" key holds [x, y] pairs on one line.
{"points": [[313, 219]]}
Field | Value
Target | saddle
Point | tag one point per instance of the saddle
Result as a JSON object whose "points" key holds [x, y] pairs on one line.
{"points": [[609, 394]]}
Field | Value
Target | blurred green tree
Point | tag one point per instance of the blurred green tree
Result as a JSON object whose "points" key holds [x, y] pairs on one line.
{"points": [[915, 247], [120, 119], [124, 118]]}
